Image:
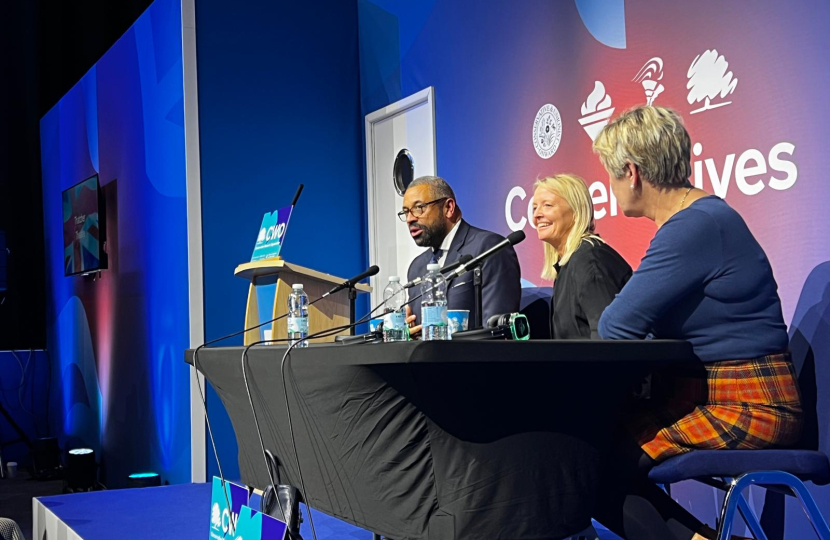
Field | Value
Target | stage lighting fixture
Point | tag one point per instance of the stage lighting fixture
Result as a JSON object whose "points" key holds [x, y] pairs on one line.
{"points": [[46, 457], [81, 470], [144, 479]]}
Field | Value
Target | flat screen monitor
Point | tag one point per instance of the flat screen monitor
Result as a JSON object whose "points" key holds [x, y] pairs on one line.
{"points": [[83, 228]]}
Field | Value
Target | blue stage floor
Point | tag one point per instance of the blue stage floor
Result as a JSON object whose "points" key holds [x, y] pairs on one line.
{"points": [[181, 512]]}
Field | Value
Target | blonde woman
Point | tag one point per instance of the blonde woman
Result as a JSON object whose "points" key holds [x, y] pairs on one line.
{"points": [[587, 272], [704, 279]]}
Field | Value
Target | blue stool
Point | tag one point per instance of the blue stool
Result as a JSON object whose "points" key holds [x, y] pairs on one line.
{"points": [[732, 471]]}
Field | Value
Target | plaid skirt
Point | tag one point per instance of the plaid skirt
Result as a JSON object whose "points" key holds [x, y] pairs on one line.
{"points": [[733, 404]]}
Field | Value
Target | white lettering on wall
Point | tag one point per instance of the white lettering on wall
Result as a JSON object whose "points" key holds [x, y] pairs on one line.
{"points": [[750, 169]]}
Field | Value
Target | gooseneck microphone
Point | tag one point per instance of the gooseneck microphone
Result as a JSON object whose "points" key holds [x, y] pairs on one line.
{"points": [[511, 240], [449, 268], [350, 283], [297, 195]]}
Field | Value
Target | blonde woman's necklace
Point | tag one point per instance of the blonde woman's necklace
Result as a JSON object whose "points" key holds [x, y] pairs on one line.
{"points": [[683, 200]]}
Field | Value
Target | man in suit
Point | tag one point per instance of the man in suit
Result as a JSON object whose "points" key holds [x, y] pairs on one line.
{"points": [[434, 220]]}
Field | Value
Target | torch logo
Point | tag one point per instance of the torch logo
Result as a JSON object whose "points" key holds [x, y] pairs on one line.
{"points": [[596, 111], [649, 76]]}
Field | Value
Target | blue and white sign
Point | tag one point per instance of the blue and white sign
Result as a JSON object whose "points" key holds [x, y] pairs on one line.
{"points": [[271, 234], [223, 520], [256, 526]]}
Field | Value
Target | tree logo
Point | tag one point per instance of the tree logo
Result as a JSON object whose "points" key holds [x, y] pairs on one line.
{"points": [[649, 76], [596, 111], [215, 517], [708, 79]]}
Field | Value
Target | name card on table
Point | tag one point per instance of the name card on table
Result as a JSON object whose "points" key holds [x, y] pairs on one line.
{"points": [[223, 520], [271, 234], [254, 525]]}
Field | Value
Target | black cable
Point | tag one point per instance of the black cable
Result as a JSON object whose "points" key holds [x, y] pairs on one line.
{"points": [[204, 399], [295, 342], [210, 431], [258, 430], [16, 388]]}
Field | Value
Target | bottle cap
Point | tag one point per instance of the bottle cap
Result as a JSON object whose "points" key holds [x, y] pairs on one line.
{"points": [[297, 286], [433, 267], [394, 279]]}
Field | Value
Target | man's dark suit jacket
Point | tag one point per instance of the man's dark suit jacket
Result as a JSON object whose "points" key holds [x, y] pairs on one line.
{"points": [[501, 276]]}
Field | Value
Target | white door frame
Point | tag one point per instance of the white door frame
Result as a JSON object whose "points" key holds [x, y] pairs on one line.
{"points": [[373, 177], [198, 448]]}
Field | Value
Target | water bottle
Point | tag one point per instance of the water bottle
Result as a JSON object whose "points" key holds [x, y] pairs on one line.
{"points": [[298, 316], [394, 322], [434, 322]]}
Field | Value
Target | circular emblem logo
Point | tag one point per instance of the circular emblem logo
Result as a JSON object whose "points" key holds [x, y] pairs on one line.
{"points": [[547, 131]]}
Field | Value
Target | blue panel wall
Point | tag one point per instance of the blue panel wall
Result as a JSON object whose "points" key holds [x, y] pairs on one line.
{"points": [[278, 106], [117, 343]]}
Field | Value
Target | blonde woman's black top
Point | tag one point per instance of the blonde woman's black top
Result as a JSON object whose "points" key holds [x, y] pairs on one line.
{"points": [[584, 287]]}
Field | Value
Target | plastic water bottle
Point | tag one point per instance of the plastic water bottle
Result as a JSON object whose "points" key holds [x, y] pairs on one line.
{"points": [[298, 316], [434, 320], [394, 322]]}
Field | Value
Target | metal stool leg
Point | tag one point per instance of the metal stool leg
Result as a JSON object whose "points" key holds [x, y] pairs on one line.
{"points": [[727, 514], [769, 478], [750, 518]]}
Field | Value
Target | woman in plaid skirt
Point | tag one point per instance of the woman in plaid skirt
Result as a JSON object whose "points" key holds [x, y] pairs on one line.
{"points": [[704, 279]]}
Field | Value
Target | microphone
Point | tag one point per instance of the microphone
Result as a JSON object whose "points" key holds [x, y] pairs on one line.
{"points": [[450, 267], [511, 240], [503, 326], [350, 283], [297, 195]]}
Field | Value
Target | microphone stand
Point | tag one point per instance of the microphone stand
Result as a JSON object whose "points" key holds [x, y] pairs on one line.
{"points": [[477, 285], [352, 298]]}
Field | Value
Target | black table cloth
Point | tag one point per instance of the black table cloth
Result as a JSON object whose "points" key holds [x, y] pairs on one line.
{"points": [[439, 440]]}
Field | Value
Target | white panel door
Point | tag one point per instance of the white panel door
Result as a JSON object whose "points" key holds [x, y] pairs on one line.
{"points": [[407, 124]]}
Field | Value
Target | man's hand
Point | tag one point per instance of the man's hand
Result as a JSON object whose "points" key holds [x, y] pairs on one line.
{"points": [[414, 330]]}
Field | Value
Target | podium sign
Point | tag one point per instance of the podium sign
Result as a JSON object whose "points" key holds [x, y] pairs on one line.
{"points": [[223, 520], [254, 525], [271, 234]]}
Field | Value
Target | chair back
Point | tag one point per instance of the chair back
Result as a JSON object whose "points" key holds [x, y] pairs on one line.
{"points": [[810, 348], [9, 530], [535, 305]]}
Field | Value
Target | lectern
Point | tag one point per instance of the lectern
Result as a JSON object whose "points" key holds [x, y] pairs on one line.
{"points": [[271, 282]]}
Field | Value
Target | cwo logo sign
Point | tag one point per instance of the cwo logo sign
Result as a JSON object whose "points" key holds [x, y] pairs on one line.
{"points": [[274, 232], [221, 520], [547, 131]]}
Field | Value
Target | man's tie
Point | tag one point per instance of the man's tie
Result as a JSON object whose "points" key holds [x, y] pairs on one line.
{"points": [[436, 255]]}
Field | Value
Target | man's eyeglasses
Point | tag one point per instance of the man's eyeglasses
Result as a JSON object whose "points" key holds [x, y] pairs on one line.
{"points": [[419, 209]]}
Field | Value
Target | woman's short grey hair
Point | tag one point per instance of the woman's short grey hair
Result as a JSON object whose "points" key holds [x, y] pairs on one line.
{"points": [[437, 186], [653, 139]]}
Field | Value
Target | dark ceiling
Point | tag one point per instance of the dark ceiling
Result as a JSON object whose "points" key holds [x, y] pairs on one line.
{"points": [[45, 48]]}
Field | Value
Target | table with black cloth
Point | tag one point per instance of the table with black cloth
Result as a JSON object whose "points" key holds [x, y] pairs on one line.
{"points": [[439, 440]]}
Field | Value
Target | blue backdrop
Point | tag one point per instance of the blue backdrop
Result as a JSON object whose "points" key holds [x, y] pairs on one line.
{"points": [[496, 65], [279, 105], [117, 343]]}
